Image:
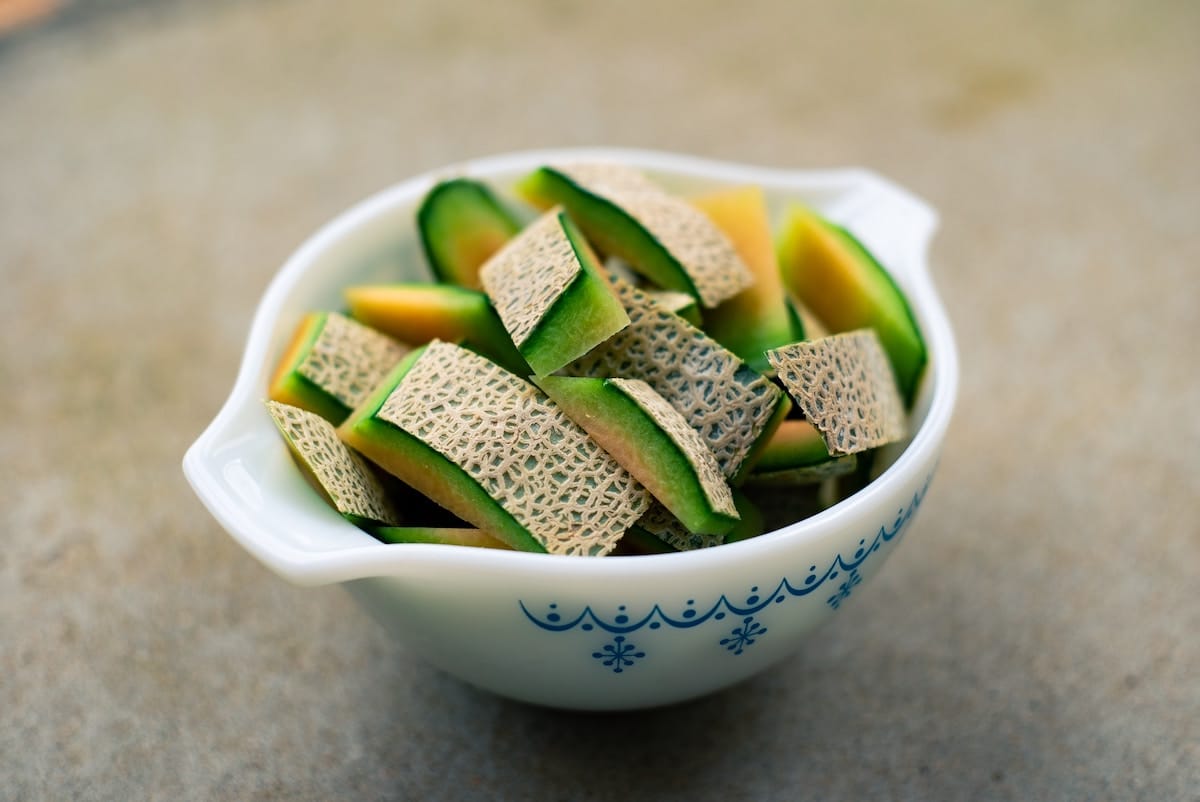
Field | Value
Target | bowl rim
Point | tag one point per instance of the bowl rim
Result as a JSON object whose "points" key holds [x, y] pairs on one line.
{"points": [[316, 567]]}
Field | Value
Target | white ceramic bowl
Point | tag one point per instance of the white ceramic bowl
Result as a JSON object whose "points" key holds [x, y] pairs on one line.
{"points": [[606, 633]]}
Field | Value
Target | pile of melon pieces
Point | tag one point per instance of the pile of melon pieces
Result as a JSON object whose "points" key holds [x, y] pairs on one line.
{"points": [[602, 367]]}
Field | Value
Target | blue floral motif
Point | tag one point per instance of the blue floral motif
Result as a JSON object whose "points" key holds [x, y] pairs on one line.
{"points": [[618, 655], [744, 636], [621, 654], [852, 579]]}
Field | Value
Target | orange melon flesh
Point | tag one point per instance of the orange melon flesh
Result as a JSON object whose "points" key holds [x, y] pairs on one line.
{"points": [[758, 318], [419, 313], [330, 365], [796, 454], [837, 279]]}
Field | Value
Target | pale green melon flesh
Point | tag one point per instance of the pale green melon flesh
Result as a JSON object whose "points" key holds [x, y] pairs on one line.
{"points": [[672, 473], [550, 294]]}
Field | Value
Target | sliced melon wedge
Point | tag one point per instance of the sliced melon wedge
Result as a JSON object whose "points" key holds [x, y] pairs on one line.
{"points": [[462, 224], [795, 455], [441, 535], [419, 313], [654, 442], [493, 449], [550, 294], [338, 474], [845, 386], [759, 317], [734, 409], [839, 280], [659, 235], [331, 364]]}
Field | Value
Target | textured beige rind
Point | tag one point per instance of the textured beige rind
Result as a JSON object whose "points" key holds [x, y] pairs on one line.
{"points": [[845, 386], [536, 463], [659, 522], [348, 359], [722, 399], [527, 275], [702, 250], [687, 439], [340, 472]]}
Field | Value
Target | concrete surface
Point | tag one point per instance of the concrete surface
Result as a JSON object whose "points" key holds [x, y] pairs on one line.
{"points": [[1035, 637]]}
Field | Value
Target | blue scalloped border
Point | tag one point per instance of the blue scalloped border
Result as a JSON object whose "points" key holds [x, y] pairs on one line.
{"points": [[622, 623]]}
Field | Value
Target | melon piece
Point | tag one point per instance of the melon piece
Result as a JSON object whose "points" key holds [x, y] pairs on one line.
{"points": [[658, 531], [845, 386], [494, 450], [759, 317], [419, 313], [654, 442], [839, 280], [733, 408], [441, 535], [338, 474], [796, 454], [462, 224], [659, 235], [679, 303], [331, 364], [550, 295]]}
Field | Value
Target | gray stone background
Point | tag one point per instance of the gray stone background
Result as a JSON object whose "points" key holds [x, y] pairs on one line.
{"points": [[1035, 638]]}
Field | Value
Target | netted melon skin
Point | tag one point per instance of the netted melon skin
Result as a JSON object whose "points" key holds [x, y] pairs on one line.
{"points": [[525, 454], [730, 405], [845, 386], [704, 256], [348, 359], [342, 474]]}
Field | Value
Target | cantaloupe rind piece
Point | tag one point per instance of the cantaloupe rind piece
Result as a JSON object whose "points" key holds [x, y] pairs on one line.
{"points": [[758, 318], [331, 364], [654, 442], [417, 313], [732, 407], [845, 386], [548, 291], [841, 282], [339, 474], [440, 535], [493, 449], [462, 224], [659, 235]]}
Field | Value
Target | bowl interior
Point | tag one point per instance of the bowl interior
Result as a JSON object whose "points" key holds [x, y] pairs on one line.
{"points": [[246, 478]]}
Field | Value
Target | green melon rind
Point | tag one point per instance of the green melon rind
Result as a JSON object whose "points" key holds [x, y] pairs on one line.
{"points": [[804, 474], [609, 226], [299, 390], [892, 316], [657, 532], [423, 468], [439, 535], [583, 315], [458, 210], [632, 436]]}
